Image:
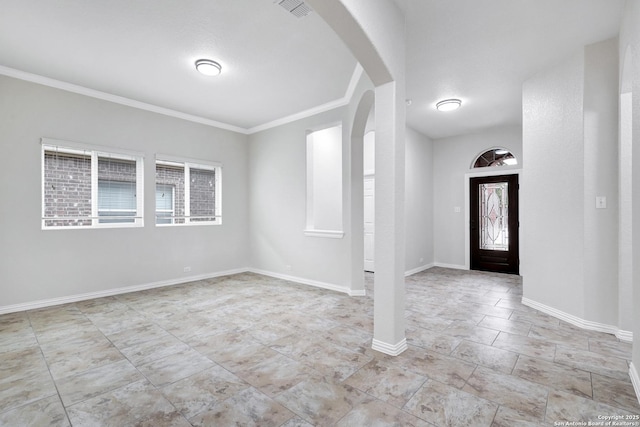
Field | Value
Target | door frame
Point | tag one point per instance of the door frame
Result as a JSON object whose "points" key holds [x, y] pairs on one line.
{"points": [[467, 209]]}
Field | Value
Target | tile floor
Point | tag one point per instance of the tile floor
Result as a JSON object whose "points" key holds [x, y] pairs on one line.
{"points": [[251, 350]]}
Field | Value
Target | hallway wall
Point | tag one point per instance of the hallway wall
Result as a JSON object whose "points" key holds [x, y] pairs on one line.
{"points": [[453, 158], [630, 39], [568, 251], [418, 202]]}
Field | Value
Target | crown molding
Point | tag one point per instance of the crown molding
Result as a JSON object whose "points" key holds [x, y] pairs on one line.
{"points": [[81, 90]]}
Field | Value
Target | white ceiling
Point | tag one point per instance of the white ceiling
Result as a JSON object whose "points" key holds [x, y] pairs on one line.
{"points": [[481, 51], [276, 65]]}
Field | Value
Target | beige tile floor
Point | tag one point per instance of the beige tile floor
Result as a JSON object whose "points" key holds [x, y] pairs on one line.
{"points": [[251, 350]]}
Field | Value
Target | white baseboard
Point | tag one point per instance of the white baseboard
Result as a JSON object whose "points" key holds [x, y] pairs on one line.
{"points": [[390, 349], [116, 291], [358, 293], [418, 269], [626, 336], [454, 266], [318, 284], [581, 323], [635, 380]]}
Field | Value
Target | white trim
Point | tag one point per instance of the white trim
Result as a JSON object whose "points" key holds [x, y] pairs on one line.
{"points": [[355, 77], [454, 266], [358, 293], [498, 170], [624, 335], [116, 291], [497, 147], [418, 269], [75, 147], [317, 284], [353, 83], [92, 93], [576, 321], [331, 234], [186, 164], [635, 380], [70, 87], [390, 349], [179, 161]]}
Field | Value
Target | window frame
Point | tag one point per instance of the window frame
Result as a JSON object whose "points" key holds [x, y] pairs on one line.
{"points": [[173, 204], [94, 153], [501, 159], [188, 164]]}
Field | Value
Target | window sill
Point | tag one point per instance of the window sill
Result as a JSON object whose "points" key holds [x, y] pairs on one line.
{"points": [[190, 224], [329, 234], [91, 227]]}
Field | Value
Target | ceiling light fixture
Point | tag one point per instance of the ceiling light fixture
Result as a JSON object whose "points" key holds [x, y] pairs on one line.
{"points": [[448, 104], [208, 67]]}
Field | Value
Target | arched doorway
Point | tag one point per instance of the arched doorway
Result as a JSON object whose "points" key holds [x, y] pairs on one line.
{"points": [[357, 191]]}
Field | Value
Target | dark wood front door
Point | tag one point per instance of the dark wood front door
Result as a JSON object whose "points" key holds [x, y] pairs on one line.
{"points": [[494, 223]]}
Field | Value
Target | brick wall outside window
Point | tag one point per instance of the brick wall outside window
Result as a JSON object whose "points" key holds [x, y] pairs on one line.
{"points": [[202, 194], [67, 189], [116, 170], [67, 185], [174, 176]]}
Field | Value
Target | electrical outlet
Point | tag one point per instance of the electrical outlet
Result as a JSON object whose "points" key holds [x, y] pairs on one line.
{"points": [[187, 269]]}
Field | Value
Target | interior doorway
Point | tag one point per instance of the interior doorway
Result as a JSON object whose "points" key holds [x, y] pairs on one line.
{"points": [[494, 224], [369, 169], [369, 224]]}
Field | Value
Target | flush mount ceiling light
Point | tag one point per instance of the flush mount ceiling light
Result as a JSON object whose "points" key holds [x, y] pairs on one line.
{"points": [[448, 104], [208, 67]]}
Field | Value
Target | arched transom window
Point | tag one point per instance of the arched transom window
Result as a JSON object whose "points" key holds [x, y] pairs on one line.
{"points": [[495, 157]]}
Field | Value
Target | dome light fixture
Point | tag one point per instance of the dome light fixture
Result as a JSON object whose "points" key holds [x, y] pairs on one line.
{"points": [[448, 104], [208, 67]]}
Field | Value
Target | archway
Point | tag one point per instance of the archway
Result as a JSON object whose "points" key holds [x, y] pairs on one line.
{"points": [[375, 36], [357, 191]]}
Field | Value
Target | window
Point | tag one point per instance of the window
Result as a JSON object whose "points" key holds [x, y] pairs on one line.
{"points": [[324, 183], [88, 187], [187, 192], [495, 157], [165, 203], [116, 201]]}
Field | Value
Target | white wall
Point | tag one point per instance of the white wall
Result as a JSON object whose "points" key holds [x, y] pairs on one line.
{"points": [[552, 202], [418, 201], [277, 186], [569, 248], [42, 265], [601, 179], [452, 158], [630, 40]]}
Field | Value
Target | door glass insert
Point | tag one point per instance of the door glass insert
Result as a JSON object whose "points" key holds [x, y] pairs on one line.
{"points": [[494, 216]]}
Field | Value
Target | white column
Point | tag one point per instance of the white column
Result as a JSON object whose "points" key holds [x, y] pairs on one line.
{"points": [[389, 292]]}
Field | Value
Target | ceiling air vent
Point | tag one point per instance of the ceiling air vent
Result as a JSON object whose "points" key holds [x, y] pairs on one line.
{"points": [[295, 7]]}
